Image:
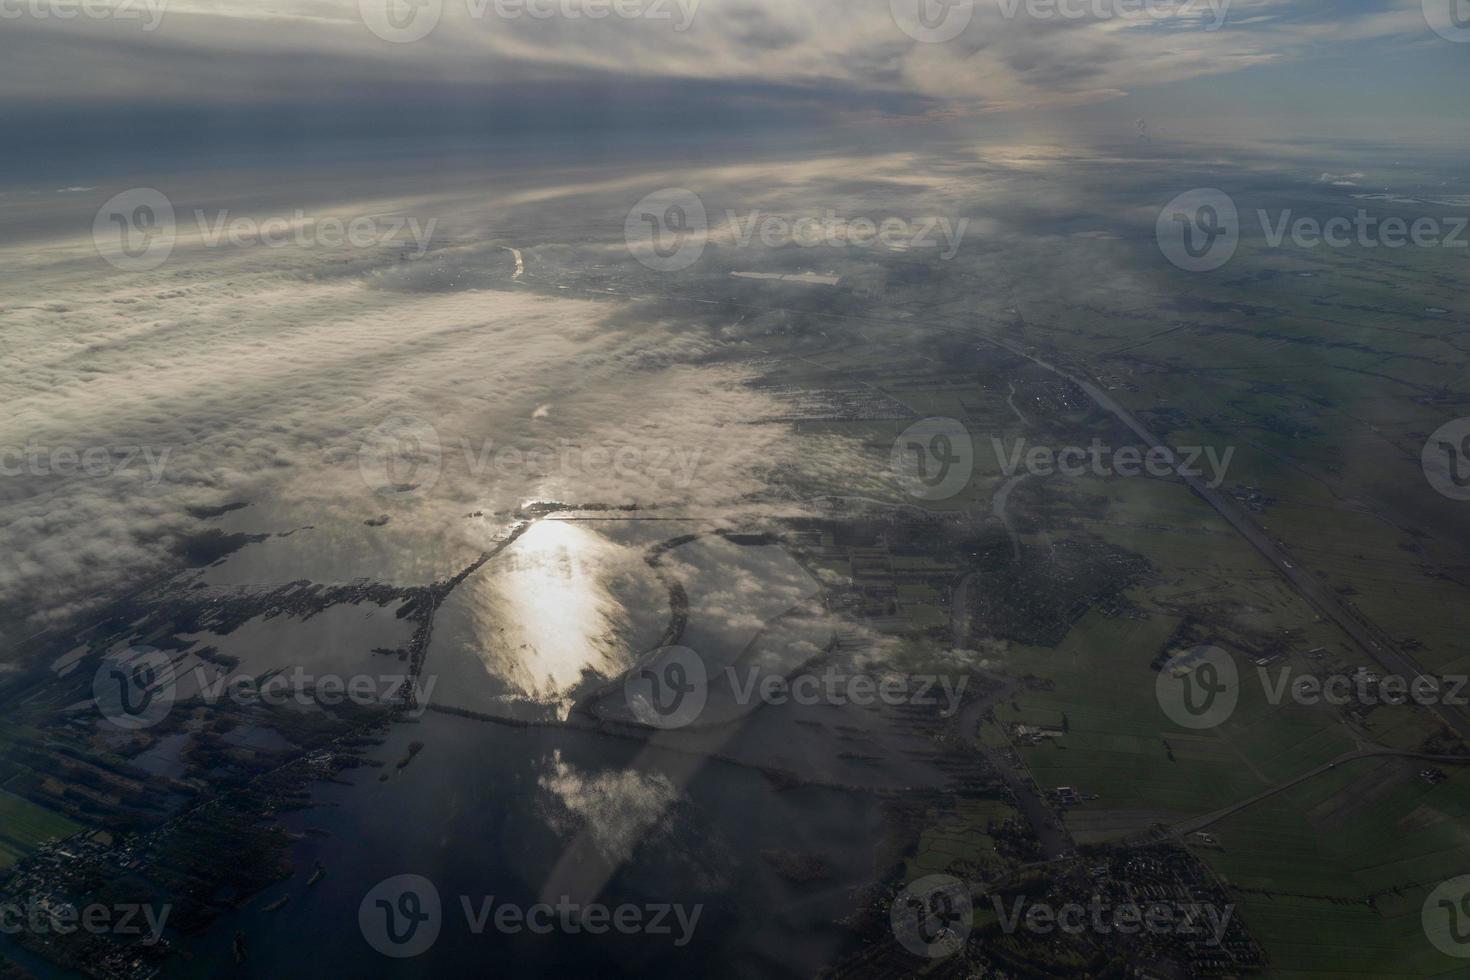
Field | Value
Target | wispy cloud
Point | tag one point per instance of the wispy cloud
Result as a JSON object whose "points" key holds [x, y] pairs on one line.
{"points": [[1011, 53]]}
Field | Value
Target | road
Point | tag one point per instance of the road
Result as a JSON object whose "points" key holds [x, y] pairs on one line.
{"points": [[1373, 641], [1195, 824]]}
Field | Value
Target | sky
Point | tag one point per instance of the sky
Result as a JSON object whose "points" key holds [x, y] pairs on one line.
{"points": [[226, 71]]}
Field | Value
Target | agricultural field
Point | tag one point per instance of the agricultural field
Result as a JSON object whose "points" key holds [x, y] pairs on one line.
{"points": [[1332, 875], [24, 827]]}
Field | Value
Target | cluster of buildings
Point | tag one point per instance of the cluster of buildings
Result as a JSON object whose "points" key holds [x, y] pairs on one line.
{"points": [[47, 887]]}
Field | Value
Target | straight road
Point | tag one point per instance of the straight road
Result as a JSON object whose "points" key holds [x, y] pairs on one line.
{"points": [[1373, 641], [1194, 824]]}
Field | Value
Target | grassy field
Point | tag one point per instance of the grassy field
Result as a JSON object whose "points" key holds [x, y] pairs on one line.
{"points": [[1327, 402], [1116, 746], [955, 841], [25, 826], [1311, 857]]}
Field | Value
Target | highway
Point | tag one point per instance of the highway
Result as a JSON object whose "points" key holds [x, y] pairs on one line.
{"points": [[1373, 641]]}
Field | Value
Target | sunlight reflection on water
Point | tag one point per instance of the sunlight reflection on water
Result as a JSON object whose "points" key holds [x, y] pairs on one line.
{"points": [[550, 612]]}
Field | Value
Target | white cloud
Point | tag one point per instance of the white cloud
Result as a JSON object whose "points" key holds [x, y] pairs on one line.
{"points": [[237, 51]]}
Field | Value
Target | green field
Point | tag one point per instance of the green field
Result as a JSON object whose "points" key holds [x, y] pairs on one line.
{"points": [[1310, 858], [25, 826], [955, 842]]}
